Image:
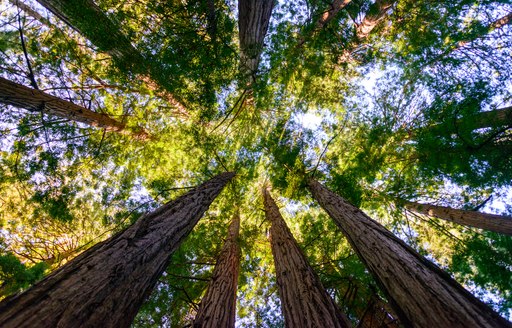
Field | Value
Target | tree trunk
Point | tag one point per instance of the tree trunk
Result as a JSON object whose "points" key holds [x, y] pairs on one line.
{"points": [[37, 101], [253, 21], [218, 306], [106, 285], [378, 315], [304, 301], [491, 222], [421, 294], [88, 19], [325, 17], [377, 12]]}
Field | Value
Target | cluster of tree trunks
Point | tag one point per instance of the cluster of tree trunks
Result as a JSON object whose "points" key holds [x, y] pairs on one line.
{"points": [[218, 306], [492, 222], [106, 285], [18, 95], [305, 302], [420, 293], [378, 315]]}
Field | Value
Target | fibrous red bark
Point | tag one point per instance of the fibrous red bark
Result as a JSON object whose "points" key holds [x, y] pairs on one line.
{"points": [[304, 301], [421, 293], [106, 285], [218, 306]]}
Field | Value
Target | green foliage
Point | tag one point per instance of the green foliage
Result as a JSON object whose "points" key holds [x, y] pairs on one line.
{"points": [[15, 276]]}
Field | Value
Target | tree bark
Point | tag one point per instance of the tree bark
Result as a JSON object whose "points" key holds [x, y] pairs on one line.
{"points": [[88, 19], [34, 100], [218, 306], [253, 22], [106, 285], [421, 294], [377, 12], [378, 315], [485, 221], [304, 301]]}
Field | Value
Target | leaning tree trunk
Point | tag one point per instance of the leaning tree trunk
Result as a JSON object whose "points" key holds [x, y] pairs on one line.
{"points": [[106, 285], [421, 294], [304, 301], [253, 21], [485, 221], [377, 12], [34, 100], [218, 306], [88, 19]]}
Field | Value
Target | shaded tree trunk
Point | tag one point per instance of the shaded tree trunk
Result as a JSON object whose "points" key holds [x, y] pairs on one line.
{"points": [[421, 294], [491, 222], [378, 315], [304, 301], [218, 306], [88, 19], [253, 22], [106, 285], [34, 100]]}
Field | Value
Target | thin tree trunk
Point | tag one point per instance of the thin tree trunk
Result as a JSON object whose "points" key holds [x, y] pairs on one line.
{"points": [[106, 285], [304, 301], [421, 294], [34, 100], [491, 222], [218, 306], [378, 315], [325, 17], [253, 22], [377, 12], [88, 19]]}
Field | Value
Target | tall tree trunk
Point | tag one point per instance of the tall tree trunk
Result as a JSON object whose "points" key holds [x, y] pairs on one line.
{"points": [[304, 301], [421, 294], [89, 20], [253, 22], [378, 315], [34, 100], [492, 222], [218, 306], [106, 285]]}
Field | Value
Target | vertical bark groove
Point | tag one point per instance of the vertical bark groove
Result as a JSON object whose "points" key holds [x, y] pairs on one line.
{"points": [[34, 100], [105, 286], [491, 222], [304, 301], [422, 294], [218, 306]]}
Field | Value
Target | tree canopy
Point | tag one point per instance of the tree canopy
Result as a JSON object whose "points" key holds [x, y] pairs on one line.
{"points": [[385, 102]]}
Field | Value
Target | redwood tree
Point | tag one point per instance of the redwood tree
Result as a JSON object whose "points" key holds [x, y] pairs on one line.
{"points": [[105, 286], [305, 302], [18, 95], [218, 306], [486, 221], [421, 293]]}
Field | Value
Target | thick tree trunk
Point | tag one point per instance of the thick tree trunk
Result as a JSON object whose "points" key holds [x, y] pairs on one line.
{"points": [[253, 21], [378, 315], [421, 294], [37, 101], [304, 301], [105, 286], [89, 20], [491, 222], [218, 306]]}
